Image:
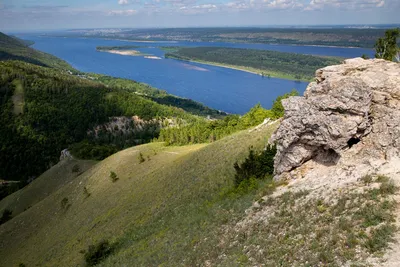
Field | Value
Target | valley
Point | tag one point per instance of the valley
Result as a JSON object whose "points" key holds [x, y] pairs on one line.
{"points": [[295, 166]]}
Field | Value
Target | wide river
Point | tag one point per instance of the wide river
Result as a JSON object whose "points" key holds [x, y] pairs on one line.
{"points": [[225, 89]]}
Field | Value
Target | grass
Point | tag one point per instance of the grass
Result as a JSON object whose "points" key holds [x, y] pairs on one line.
{"points": [[298, 229], [48, 183], [182, 208], [157, 212]]}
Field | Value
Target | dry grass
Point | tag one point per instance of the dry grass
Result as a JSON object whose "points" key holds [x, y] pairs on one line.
{"points": [[346, 228]]}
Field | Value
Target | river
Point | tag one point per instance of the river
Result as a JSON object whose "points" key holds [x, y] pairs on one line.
{"points": [[225, 89]]}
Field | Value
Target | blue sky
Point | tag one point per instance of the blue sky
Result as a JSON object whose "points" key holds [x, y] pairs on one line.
{"points": [[20, 15]]}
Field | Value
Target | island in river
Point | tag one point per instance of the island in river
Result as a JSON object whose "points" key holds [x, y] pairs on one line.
{"points": [[126, 50], [275, 64]]}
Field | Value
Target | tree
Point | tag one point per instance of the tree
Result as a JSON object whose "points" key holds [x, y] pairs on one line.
{"points": [[365, 56], [277, 108], [386, 47]]}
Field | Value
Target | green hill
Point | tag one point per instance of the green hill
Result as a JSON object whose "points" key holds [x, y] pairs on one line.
{"points": [[161, 199], [208, 204], [45, 110], [47, 106], [180, 206], [12, 48]]}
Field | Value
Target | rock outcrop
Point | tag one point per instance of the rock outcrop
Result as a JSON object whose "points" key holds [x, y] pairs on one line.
{"points": [[65, 155], [349, 116]]}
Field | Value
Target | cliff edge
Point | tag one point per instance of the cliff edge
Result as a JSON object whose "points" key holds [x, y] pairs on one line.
{"points": [[349, 118]]}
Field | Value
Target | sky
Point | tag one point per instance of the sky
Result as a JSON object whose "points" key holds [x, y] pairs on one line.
{"points": [[27, 15]]}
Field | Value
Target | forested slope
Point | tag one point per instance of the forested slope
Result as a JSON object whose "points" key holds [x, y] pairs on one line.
{"points": [[14, 49], [47, 106], [57, 109]]}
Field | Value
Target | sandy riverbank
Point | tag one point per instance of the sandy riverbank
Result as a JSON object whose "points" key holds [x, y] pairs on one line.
{"points": [[123, 52]]}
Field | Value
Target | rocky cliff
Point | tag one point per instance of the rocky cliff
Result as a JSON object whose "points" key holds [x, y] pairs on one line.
{"points": [[348, 119]]}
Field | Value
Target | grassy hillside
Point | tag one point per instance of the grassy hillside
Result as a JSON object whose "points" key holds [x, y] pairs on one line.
{"points": [[179, 207], [12, 48], [268, 63], [50, 181], [156, 210]]}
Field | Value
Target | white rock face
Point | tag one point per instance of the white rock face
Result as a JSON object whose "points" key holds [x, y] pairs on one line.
{"points": [[350, 116], [65, 155]]}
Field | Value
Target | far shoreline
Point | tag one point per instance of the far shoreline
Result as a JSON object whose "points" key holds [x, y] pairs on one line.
{"points": [[263, 73]]}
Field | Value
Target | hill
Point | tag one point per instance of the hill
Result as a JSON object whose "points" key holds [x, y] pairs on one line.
{"points": [[349, 37], [180, 206], [163, 200], [12, 48], [47, 109]]}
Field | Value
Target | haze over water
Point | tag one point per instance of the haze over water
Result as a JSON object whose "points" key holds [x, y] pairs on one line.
{"points": [[225, 89]]}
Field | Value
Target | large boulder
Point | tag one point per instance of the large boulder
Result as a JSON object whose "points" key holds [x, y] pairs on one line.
{"points": [[355, 104]]}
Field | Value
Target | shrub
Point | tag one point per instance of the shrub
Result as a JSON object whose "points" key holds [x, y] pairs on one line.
{"points": [[257, 165], [113, 176], [97, 253], [64, 203], [86, 192], [6, 216], [87, 150], [366, 179], [277, 108], [141, 158], [76, 168]]}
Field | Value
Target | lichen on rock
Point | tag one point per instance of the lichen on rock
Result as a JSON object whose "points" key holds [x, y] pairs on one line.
{"points": [[351, 112]]}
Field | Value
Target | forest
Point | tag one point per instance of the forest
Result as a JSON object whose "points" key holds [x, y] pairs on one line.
{"points": [[157, 95], [210, 131], [46, 107], [55, 110], [12, 48], [268, 63]]}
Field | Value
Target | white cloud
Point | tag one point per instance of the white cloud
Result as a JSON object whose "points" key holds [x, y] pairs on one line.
{"points": [[198, 9], [345, 4], [123, 2], [261, 5], [128, 12]]}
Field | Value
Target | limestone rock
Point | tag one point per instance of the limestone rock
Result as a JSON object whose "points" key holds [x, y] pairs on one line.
{"points": [[65, 155], [352, 105]]}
